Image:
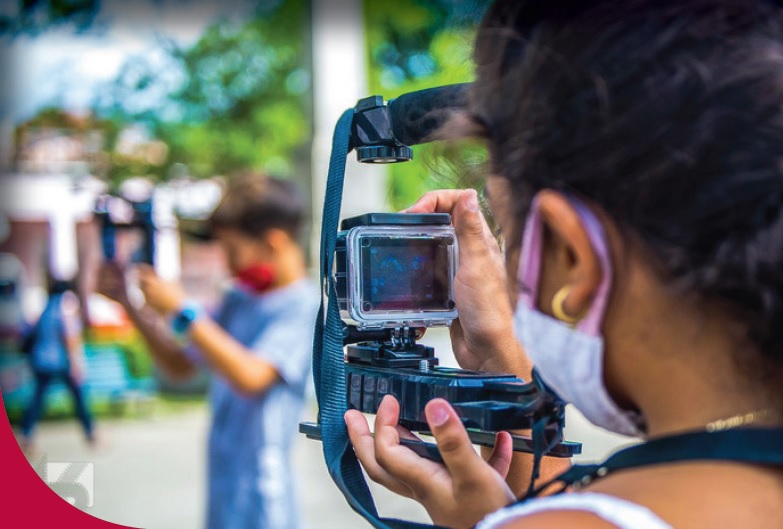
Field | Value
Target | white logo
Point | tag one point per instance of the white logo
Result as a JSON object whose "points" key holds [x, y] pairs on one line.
{"points": [[73, 482]]}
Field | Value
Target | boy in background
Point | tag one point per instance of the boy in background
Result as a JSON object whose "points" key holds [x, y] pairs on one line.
{"points": [[258, 345]]}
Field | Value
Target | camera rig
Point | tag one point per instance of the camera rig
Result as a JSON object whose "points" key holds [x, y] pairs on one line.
{"points": [[117, 213], [384, 279]]}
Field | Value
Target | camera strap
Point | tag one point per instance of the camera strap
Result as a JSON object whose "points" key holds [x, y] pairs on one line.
{"points": [[328, 359], [757, 446]]}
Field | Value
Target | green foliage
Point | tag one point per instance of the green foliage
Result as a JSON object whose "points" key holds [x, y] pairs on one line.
{"points": [[417, 44], [238, 98]]}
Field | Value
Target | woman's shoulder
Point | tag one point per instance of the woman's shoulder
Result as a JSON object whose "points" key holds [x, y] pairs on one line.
{"points": [[550, 519], [583, 510], [685, 495], [702, 494]]}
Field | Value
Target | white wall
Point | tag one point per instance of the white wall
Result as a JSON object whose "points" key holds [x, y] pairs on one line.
{"points": [[339, 81]]}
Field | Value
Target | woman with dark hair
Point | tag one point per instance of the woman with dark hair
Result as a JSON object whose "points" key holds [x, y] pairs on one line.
{"points": [[636, 160]]}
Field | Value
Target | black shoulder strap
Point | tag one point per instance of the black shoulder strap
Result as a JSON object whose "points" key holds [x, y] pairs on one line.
{"points": [[763, 446]]}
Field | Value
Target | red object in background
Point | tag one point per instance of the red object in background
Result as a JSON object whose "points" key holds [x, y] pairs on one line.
{"points": [[257, 278], [26, 501]]}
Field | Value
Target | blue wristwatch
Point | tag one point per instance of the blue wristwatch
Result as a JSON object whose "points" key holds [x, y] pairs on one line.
{"points": [[182, 321]]}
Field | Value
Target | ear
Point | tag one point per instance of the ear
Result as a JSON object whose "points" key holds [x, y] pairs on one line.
{"points": [[277, 239], [575, 262]]}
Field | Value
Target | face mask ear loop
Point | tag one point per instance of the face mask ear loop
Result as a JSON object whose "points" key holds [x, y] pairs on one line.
{"points": [[530, 258], [529, 271], [590, 322]]}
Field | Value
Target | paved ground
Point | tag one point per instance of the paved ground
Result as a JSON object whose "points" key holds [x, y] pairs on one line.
{"points": [[149, 472]]}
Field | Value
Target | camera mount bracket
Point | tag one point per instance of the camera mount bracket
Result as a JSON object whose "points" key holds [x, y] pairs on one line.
{"points": [[372, 126], [389, 348]]}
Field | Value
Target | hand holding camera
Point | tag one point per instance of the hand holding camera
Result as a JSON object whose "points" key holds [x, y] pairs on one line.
{"points": [[464, 487], [482, 337], [165, 297], [456, 493]]}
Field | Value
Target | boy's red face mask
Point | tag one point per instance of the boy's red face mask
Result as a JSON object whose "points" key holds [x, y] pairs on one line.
{"points": [[248, 260], [258, 278]]}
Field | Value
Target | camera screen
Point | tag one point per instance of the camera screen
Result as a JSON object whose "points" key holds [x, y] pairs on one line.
{"points": [[406, 274]]}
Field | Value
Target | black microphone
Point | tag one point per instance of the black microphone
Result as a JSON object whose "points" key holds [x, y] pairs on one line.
{"points": [[416, 116]]}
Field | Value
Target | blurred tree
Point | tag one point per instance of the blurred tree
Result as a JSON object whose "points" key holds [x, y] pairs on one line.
{"points": [[416, 44], [32, 17], [238, 98]]}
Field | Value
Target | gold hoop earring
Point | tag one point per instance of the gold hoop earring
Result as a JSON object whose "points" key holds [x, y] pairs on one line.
{"points": [[557, 306]]}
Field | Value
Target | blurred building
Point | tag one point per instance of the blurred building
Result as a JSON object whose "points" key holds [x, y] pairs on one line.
{"points": [[47, 204], [48, 228], [51, 229]]}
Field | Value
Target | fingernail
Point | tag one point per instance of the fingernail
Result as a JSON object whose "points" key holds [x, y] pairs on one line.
{"points": [[437, 414], [472, 202]]}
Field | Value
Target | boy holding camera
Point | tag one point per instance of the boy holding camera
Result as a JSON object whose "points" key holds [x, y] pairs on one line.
{"points": [[258, 344]]}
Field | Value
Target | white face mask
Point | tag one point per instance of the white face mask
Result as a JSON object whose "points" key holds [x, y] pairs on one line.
{"points": [[569, 360]]}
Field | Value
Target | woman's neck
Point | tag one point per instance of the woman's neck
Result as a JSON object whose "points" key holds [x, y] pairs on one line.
{"points": [[676, 358]]}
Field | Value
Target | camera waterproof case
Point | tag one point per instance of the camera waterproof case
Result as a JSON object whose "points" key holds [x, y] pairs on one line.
{"points": [[396, 270]]}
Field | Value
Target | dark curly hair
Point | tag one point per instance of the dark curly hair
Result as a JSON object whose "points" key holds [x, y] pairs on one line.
{"points": [[667, 114]]}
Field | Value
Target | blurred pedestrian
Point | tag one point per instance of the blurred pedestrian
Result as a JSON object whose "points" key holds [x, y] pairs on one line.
{"points": [[56, 352], [258, 345]]}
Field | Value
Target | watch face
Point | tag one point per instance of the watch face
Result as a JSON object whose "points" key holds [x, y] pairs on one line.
{"points": [[183, 320]]}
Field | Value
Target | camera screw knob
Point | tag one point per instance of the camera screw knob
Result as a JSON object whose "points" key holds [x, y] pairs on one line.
{"points": [[384, 154]]}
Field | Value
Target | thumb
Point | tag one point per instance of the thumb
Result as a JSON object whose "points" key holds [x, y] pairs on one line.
{"points": [[502, 453], [453, 442], [470, 226]]}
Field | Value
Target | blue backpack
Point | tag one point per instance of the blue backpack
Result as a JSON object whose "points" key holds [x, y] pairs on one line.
{"points": [[46, 343]]}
